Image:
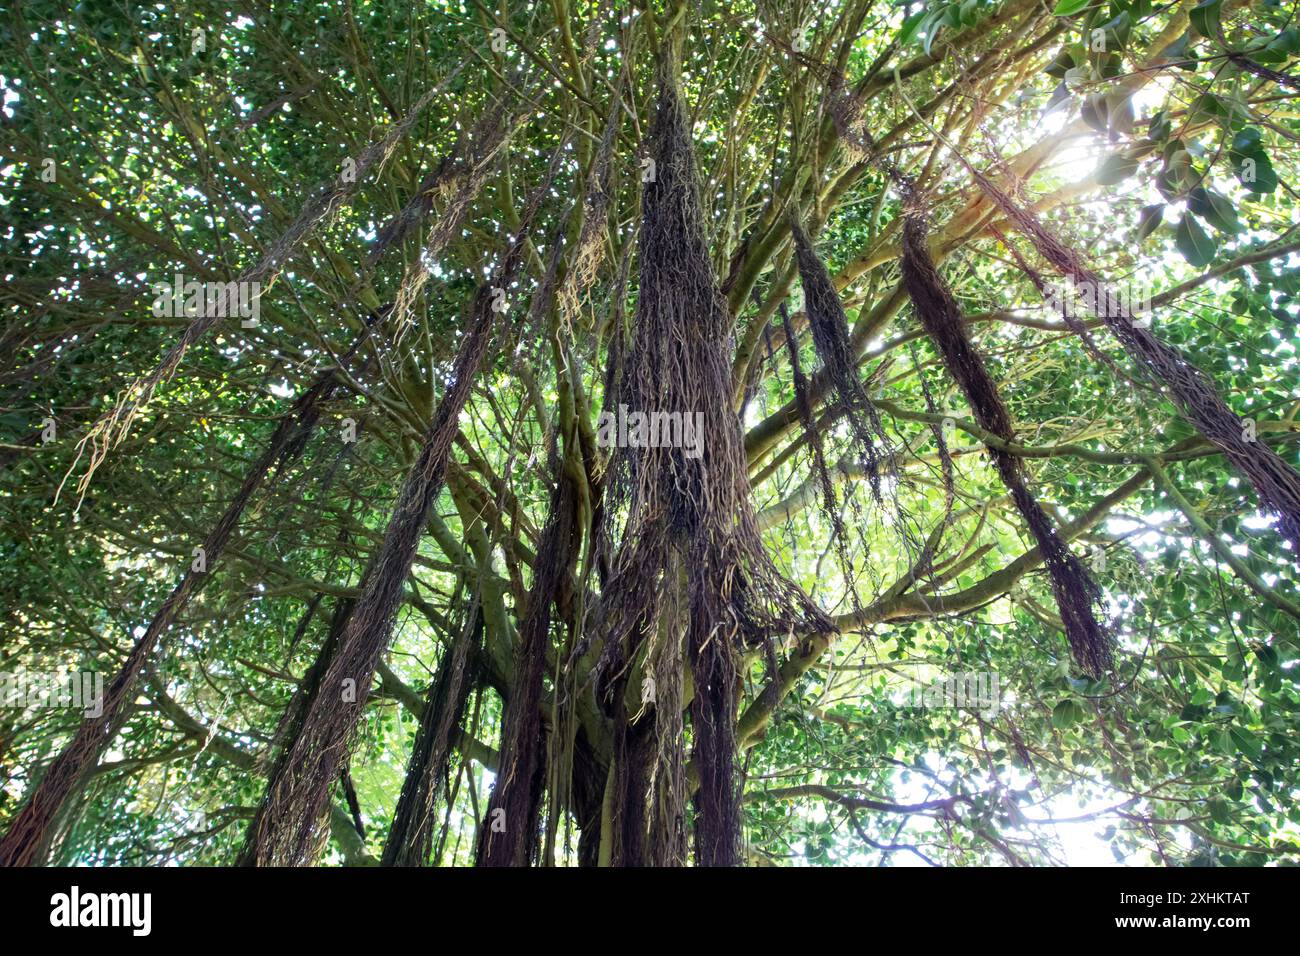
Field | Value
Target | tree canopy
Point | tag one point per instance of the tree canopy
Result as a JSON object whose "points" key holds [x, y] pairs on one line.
{"points": [[650, 433]]}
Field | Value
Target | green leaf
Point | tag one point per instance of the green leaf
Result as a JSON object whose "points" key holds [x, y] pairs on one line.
{"points": [[1149, 219], [1270, 53], [1068, 8], [1077, 76], [1177, 50], [1063, 61], [1280, 48], [1095, 112], [1115, 169], [1219, 810], [907, 33], [933, 27], [1247, 140], [1059, 96], [1215, 209], [1197, 248], [1158, 129], [1063, 714], [1205, 18], [1120, 116], [1117, 31], [1254, 170], [1247, 742], [1207, 107]]}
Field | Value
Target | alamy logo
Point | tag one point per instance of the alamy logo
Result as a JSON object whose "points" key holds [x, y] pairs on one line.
{"points": [[103, 909], [684, 430], [975, 690], [1108, 302], [211, 300], [83, 690]]}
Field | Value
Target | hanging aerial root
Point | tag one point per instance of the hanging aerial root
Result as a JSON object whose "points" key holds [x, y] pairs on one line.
{"points": [[666, 788], [584, 263], [113, 426], [715, 667], [1192, 391], [30, 829], [512, 834], [291, 720], [1264, 72], [1077, 596], [830, 333], [596, 204], [634, 748], [509, 835], [457, 180], [648, 783], [490, 135], [1039, 283], [803, 403], [940, 442], [287, 828], [829, 505], [692, 499], [410, 838]]}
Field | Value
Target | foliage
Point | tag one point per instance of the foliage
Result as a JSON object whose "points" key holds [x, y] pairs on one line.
{"points": [[1157, 139]]}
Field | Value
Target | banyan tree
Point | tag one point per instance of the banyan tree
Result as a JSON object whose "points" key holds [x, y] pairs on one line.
{"points": [[649, 433]]}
